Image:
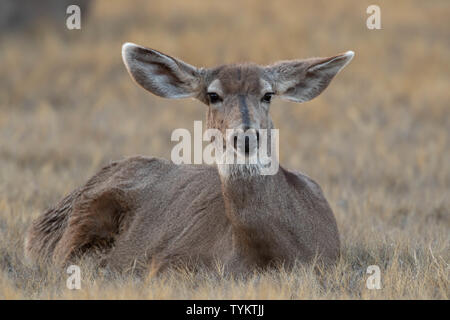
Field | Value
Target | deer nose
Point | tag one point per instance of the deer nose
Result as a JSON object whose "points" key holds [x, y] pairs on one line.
{"points": [[246, 141]]}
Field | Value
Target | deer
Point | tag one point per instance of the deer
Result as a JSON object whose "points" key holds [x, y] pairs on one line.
{"points": [[142, 212]]}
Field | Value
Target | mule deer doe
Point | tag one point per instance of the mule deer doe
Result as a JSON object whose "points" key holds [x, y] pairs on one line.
{"points": [[148, 211]]}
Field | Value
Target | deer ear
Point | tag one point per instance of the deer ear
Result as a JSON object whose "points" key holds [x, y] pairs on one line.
{"points": [[303, 80], [159, 73]]}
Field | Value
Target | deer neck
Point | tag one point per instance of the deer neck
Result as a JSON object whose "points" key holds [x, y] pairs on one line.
{"points": [[246, 192], [250, 205]]}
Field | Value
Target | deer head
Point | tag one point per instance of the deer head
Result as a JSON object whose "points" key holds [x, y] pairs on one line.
{"points": [[238, 96]]}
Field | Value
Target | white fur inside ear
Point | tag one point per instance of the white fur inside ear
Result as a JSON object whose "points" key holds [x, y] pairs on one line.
{"points": [[336, 64], [127, 49], [299, 83], [160, 74], [349, 55]]}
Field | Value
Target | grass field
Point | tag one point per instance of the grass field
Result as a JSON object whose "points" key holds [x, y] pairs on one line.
{"points": [[377, 140]]}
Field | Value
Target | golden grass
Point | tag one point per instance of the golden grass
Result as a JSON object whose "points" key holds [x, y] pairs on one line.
{"points": [[377, 140]]}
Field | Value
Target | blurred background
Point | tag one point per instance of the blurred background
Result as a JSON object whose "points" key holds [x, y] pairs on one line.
{"points": [[377, 140]]}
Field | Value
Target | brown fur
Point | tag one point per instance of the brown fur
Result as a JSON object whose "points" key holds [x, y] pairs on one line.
{"points": [[147, 211]]}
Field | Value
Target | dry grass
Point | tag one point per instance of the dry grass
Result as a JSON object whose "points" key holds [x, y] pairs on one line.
{"points": [[377, 140]]}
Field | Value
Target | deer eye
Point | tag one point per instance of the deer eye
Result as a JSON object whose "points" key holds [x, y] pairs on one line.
{"points": [[267, 97], [214, 97]]}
